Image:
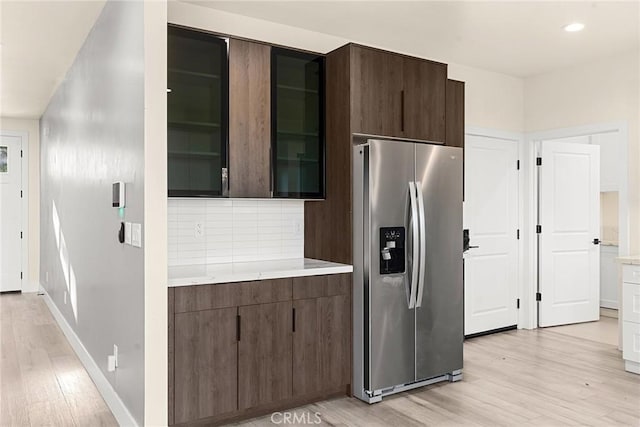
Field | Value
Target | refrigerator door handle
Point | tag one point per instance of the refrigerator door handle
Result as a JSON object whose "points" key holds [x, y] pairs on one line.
{"points": [[423, 244], [415, 261]]}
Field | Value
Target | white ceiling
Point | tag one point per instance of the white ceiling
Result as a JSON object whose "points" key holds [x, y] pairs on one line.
{"points": [[38, 42], [516, 38]]}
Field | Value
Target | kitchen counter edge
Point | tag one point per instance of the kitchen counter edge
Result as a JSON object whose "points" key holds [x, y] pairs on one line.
{"points": [[634, 259], [329, 268]]}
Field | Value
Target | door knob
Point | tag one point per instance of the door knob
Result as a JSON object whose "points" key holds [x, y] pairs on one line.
{"points": [[596, 241]]}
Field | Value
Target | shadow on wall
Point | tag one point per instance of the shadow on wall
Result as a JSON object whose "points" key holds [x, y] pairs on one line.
{"points": [[67, 268]]}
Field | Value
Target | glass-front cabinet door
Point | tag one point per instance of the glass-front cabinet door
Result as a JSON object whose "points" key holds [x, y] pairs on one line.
{"points": [[297, 114], [197, 94]]}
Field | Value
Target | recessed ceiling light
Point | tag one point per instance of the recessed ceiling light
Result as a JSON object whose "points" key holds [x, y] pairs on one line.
{"points": [[573, 27]]}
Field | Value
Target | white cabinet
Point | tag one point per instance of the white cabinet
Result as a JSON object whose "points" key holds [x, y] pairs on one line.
{"points": [[631, 317]]}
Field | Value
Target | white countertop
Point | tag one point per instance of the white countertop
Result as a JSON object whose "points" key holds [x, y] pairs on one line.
{"points": [[633, 259], [202, 274]]}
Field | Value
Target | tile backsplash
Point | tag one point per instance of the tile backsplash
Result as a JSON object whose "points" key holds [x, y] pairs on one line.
{"points": [[213, 231]]}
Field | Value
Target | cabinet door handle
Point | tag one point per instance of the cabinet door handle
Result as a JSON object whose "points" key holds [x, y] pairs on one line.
{"points": [[272, 170], [238, 323], [293, 322], [402, 110], [225, 182]]}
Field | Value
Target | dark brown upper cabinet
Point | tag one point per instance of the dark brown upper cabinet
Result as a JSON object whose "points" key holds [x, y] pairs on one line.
{"points": [[376, 91], [424, 99], [297, 116], [455, 113], [197, 92], [396, 95], [249, 119]]}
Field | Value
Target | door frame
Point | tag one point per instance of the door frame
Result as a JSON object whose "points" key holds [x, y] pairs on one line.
{"points": [[24, 163], [533, 141], [524, 315]]}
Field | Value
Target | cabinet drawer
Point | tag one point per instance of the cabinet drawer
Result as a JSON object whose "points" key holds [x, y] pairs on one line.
{"points": [[207, 297], [321, 286], [631, 273], [631, 341], [631, 302]]}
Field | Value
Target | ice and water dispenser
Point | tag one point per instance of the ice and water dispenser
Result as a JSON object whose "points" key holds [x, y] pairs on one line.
{"points": [[392, 250]]}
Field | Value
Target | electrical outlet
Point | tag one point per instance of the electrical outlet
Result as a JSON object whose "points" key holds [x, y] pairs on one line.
{"points": [[297, 228], [198, 230], [112, 359]]}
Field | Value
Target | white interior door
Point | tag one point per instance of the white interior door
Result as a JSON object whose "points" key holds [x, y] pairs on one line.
{"points": [[491, 216], [10, 213], [569, 216]]}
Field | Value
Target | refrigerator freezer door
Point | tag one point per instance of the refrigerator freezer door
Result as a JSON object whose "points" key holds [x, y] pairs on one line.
{"points": [[439, 317], [392, 323]]}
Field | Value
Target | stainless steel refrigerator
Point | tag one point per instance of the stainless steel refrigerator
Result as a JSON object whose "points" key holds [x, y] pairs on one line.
{"points": [[407, 247]]}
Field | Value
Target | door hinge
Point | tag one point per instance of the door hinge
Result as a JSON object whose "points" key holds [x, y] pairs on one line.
{"points": [[21, 194], [21, 153], [518, 303], [538, 296], [538, 161], [293, 322], [518, 165], [518, 234], [538, 229], [21, 275], [21, 234]]}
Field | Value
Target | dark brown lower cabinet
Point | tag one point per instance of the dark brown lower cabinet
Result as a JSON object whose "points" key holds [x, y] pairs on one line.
{"points": [[306, 347], [264, 354], [321, 344], [206, 358], [245, 349]]}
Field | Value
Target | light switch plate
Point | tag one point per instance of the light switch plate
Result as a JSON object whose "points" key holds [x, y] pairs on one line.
{"points": [[127, 233], [136, 235]]}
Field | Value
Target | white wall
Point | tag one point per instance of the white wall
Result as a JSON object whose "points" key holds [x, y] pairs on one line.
{"points": [[92, 135], [493, 100], [32, 128], [603, 91]]}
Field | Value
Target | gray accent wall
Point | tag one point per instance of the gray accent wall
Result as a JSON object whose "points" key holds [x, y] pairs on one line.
{"points": [[92, 134]]}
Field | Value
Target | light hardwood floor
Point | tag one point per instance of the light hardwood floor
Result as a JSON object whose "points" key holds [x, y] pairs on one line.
{"points": [[42, 382], [521, 378], [604, 330], [516, 378]]}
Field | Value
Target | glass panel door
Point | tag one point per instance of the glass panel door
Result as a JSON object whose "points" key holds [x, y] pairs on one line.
{"points": [[197, 93], [297, 96]]}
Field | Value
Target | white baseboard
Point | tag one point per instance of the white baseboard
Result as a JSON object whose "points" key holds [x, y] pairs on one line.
{"points": [[609, 304], [118, 408]]}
